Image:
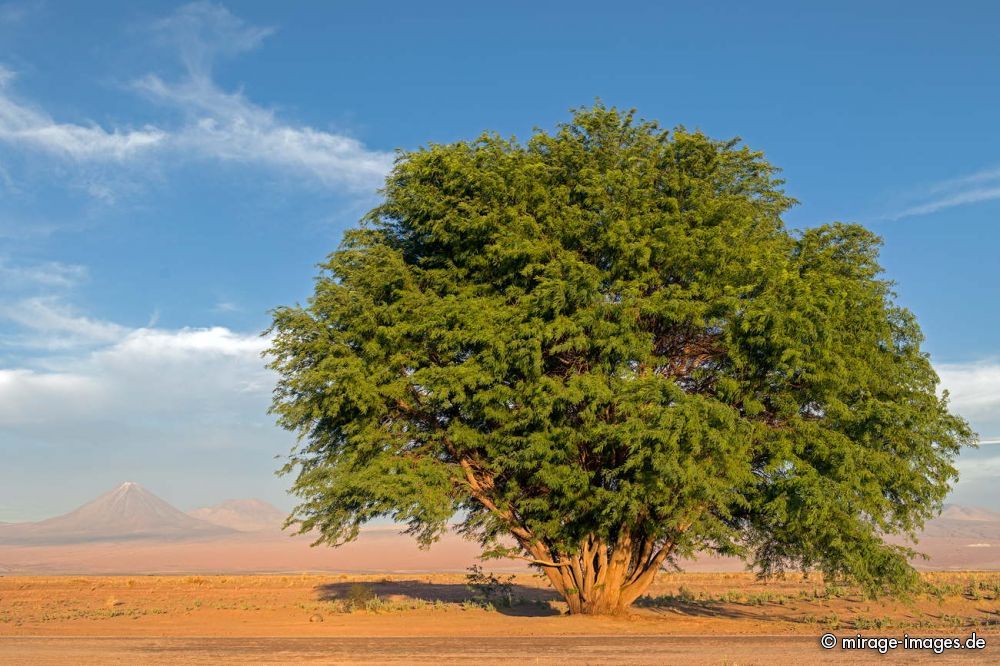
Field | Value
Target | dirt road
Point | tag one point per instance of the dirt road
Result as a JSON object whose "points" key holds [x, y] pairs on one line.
{"points": [[717, 650]]}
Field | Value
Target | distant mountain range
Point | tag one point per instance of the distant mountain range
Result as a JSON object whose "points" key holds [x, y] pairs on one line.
{"points": [[957, 512], [962, 523], [243, 515], [131, 530], [131, 513]]}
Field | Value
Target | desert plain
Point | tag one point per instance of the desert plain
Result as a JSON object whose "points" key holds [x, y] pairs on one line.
{"points": [[127, 578], [697, 618]]}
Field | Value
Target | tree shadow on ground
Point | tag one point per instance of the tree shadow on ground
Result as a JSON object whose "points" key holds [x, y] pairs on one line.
{"points": [[706, 609], [526, 601]]}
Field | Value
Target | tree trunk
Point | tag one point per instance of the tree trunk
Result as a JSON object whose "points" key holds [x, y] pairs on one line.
{"points": [[602, 580]]}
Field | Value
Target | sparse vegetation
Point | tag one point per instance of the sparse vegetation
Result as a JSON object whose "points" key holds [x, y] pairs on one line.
{"points": [[490, 588], [359, 594], [947, 601]]}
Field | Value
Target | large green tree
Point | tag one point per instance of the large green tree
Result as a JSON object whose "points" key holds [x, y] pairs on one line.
{"points": [[602, 350]]}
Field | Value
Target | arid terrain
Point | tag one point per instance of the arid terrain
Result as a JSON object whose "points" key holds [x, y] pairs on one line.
{"points": [[720, 618], [128, 578]]}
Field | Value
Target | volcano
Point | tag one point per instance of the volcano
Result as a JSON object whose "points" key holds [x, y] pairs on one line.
{"points": [[129, 512]]}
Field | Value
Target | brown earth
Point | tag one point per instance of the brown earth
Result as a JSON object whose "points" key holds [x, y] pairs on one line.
{"points": [[407, 618]]}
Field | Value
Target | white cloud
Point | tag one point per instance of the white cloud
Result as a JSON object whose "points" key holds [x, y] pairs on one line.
{"points": [[175, 379], [218, 341], [973, 188], [30, 128], [227, 126], [99, 379], [983, 176], [215, 124], [968, 197], [180, 408], [202, 31], [51, 324], [177, 408], [24, 393], [32, 305], [230, 128], [975, 393]]}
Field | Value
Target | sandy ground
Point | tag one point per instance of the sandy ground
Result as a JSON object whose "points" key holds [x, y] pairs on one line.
{"points": [[720, 618]]}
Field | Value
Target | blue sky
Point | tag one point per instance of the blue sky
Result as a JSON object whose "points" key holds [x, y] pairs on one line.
{"points": [[170, 172]]}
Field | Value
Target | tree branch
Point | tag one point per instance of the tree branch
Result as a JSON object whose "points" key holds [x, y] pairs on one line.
{"points": [[542, 563]]}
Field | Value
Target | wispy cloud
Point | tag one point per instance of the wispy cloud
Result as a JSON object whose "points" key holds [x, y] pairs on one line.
{"points": [[227, 126], [34, 313], [973, 179], [230, 128], [202, 31], [31, 128], [104, 371], [969, 189], [46, 274], [215, 124], [52, 324]]}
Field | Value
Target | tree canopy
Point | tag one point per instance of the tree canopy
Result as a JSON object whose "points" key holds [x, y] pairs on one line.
{"points": [[602, 350]]}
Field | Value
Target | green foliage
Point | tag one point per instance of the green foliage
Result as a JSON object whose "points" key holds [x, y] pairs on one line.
{"points": [[608, 332]]}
